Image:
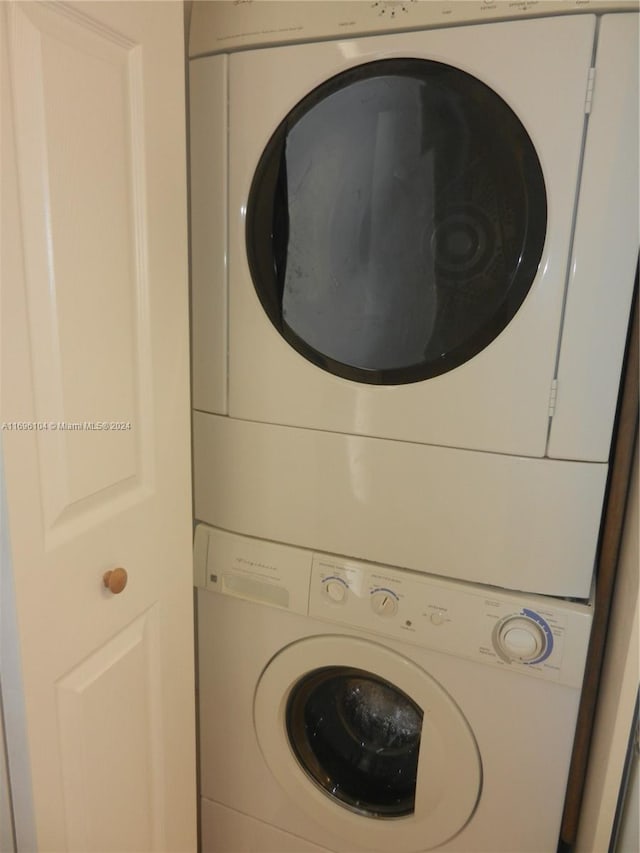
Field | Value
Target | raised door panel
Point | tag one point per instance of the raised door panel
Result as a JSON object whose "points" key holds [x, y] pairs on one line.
{"points": [[79, 125], [114, 692]]}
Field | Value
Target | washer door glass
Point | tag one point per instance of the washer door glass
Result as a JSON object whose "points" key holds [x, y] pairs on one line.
{"points": [[358, 737], [396, 221], [367, 743]]}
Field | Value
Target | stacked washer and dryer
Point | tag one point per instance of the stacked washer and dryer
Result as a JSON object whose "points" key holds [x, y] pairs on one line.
{"points": [[414, 240]]}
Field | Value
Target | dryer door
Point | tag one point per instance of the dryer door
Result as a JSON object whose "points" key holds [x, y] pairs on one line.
{"points": [[400, 214], [396, 221], [367, 743]]}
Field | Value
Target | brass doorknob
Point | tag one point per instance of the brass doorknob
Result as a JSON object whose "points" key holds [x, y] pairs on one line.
{"points": [[115, 580]]}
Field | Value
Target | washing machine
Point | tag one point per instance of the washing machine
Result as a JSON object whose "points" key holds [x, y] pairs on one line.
{"points": [[351, 707], [414, 233]]}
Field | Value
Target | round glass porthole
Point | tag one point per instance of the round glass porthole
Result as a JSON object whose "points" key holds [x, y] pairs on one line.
{"points": [[367, 743], [357, 737], [396, 221]]}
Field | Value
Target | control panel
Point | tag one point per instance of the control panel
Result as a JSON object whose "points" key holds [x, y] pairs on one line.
{"points": [[531, 634], [528, 634], [221, 26]]}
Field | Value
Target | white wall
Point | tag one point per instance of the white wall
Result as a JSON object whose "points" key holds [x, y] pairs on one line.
{"points": [[616, 702]]}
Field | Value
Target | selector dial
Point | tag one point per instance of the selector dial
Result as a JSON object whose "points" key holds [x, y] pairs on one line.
{"points": [[520, 639], [384, 602], [335, 589]]}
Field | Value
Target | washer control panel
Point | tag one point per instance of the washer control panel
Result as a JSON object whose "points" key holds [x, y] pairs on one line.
{"points": [[538, 636], [535, 635]]}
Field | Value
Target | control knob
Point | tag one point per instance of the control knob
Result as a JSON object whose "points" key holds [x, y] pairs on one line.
{"points": [[520, 639], [335, 590], [384, 602]]}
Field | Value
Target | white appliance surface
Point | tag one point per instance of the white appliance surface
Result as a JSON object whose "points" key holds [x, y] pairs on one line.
{"points": [[270, 382], [499, 399], [533, 410], [219, 26], [514, 522], [495, 678]]}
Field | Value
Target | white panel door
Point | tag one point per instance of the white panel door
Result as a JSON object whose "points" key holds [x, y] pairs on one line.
{"points": [[95, 411]]}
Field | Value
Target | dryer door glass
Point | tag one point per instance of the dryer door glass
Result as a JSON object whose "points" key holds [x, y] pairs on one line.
{"points": [[396, 221], [358, 737]]}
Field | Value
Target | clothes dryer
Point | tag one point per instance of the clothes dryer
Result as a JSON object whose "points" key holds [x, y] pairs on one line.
{"points": [[411, 240], [352, 707], [400, 217]]}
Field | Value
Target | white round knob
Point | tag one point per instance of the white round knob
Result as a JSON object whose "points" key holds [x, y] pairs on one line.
{"points": [[384, 603], [336, 591], [520, 642], [521, 639]]}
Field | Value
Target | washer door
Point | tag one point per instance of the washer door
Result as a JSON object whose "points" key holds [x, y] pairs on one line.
{"points": [[396, 221], [367, 743]]}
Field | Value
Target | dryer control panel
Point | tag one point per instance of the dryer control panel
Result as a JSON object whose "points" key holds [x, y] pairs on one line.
{"points": [[535, 635], [220, 26]]}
